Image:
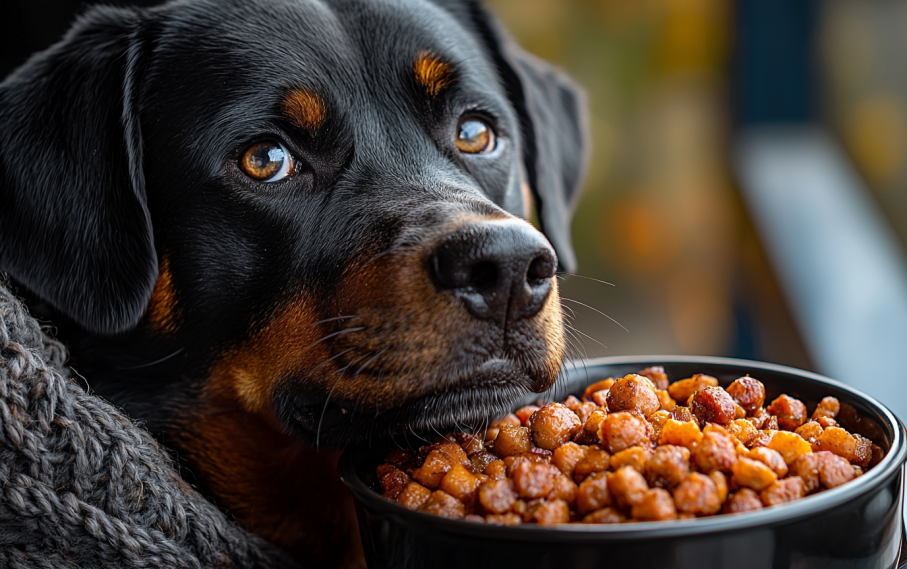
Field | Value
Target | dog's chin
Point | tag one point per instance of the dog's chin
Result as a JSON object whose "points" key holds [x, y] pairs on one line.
{"points": [[488, 392]]}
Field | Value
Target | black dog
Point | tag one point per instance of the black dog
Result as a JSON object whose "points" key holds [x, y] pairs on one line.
{"points": [[265, 226]]}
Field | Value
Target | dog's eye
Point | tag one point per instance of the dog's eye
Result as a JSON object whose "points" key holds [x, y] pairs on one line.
{"points": [[267, 162], [474, 136]]}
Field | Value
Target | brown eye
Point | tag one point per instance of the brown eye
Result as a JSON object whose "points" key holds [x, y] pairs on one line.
{"points": [[267, 162], [474, 136]]}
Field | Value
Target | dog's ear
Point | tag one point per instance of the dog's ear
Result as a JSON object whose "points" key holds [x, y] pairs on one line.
{"points": [[553, 121], [74, 223]]}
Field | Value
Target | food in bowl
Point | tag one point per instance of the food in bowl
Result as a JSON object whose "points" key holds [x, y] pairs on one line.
{"points": [[634, 449]]}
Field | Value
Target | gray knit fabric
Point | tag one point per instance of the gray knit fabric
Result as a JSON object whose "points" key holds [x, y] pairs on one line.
{"points": [[82, 486]]}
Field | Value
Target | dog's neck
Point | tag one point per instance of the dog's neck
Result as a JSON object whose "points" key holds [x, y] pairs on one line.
{"points": [[273, 484]]}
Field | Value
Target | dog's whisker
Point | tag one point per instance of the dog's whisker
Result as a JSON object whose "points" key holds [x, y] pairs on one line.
{"points": [[578, 331], [337, 355], [155, 362], [333, 319], [337, 333], [596, 310], [326, 401], [585, 277]]}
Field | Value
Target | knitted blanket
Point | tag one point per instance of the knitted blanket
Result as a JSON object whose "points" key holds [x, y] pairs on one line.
{"points": [[82, 486]]}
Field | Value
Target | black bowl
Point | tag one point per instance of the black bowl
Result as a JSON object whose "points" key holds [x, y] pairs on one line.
{"points": [[857, 525]]}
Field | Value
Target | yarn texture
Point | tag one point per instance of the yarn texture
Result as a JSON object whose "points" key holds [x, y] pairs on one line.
{"points": [[81, 486]]}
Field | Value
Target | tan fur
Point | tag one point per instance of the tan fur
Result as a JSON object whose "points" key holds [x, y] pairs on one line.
{"points": [[305, 109], [162, 314], [433, 74]]}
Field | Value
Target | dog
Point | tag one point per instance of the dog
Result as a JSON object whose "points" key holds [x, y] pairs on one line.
{"points": [[272, 228]]}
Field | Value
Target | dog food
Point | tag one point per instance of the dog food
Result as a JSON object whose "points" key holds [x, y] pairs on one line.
{"points": [[633, 449]]}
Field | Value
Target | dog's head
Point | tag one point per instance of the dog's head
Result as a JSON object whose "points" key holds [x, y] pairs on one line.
{"points": [[311, 210]]}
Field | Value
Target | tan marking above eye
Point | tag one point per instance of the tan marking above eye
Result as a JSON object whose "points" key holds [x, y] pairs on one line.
{"points": [[432, 73], [474, 136], [267, 161], [305, 109]]}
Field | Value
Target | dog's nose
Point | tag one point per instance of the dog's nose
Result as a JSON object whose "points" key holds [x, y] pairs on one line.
{"points": [[501, 271]]}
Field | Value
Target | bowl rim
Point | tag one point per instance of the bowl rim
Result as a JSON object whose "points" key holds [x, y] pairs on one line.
{"points": [[789, 513]]}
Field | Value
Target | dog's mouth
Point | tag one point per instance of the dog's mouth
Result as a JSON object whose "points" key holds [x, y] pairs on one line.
{"points": [[487, 392]]}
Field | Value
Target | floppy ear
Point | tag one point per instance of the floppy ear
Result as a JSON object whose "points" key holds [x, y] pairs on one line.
{"points": [[554, 125], [74, 224]]}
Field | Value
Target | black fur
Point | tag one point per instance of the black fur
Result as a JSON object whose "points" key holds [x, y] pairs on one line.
{"points": [[119, 146]]}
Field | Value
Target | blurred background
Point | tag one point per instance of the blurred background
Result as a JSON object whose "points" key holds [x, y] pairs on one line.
{"points": [[746, 195]]}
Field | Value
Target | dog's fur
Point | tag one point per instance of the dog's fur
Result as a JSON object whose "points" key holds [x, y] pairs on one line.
{"points": [[249, 324]]}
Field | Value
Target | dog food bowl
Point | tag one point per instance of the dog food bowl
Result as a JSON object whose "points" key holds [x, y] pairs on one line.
{"points": [[856, 525]]}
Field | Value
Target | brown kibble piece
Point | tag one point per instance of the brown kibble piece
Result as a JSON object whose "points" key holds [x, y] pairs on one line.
{"points": [[585, 410], [443, 504], [783, 491], [471, 444], [713, 405], [593, 494], [533, 480], [413, 496], [633, 393], [834, 471], [716, 450], [623, 430], [829, 408], [770, 458], [524, 413], [697, 494], [596, 460], [665, 401], [791, 413], [626, 487], [509, 419], [572, 403], [497, 496], [790, 445], [461, 484], [683, 414], [602, 385], [743, 500], [721, 485], [549, 512], [748, 392], [564, 489], [392, 480], [742, 430], [480, 460], [589, 434], [685, 434], [758, 418], [657, 375], [605, 516], [474, 518], [512, 440], [807, 468], [496, 470], [553, 425], [566, 456], [810, 431], [749, 473], [862, 454], [667, 466], [838, 441], [508, 519], [436, 465], [681, 390], [634, 457], [656, 504]]}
